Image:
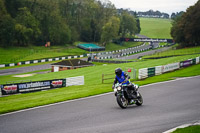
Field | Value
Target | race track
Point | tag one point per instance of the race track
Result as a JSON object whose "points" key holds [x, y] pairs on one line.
{"points": [[166, 105]]}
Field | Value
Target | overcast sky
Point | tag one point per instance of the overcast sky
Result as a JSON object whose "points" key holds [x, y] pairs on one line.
{"points": [[167, 6]]}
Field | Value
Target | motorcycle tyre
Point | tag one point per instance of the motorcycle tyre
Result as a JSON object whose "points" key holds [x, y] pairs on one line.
{"points": [[119, 101], [139, 102]]}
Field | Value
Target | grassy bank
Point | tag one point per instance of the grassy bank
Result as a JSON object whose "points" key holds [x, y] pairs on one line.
{"points": [[155, 27]]}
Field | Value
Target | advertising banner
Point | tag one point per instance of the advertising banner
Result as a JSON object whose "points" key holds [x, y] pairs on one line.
{"points": [[41, 85], [170, 67], [58, 83], [151, 71], [146, 40], [9, 89], [34, 86], [75, 81], [186, 63]]}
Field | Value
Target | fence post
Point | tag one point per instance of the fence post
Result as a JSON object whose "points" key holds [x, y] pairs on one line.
{"points": [[102, 78], [0, 91]]}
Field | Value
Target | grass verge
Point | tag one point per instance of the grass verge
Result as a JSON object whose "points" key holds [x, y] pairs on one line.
{"points": [[190, 129]]}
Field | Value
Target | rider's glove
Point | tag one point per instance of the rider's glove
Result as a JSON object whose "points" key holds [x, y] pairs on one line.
{"points": [[125, 80], [113, 86]]}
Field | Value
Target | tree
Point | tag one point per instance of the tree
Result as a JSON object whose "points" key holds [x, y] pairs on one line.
{"points": [[186, 29], [27, 27], [53, 27], [110, 30], [24, 22], [128, 25], [7, 30]]}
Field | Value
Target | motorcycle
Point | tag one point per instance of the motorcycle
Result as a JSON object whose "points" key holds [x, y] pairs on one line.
{"points": [[126, 96]]}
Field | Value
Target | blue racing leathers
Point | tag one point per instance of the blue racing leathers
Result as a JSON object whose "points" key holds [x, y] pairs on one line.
{"points": [[121, 78]]}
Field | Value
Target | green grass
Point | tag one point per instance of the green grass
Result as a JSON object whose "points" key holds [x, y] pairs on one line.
{"points": [[176, 52], [93, 85], [190, 129], [17, 54], [155, 27]]}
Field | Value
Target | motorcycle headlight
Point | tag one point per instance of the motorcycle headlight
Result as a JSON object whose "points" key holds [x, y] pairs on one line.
{"points": [[119, 88], [136, 87]]}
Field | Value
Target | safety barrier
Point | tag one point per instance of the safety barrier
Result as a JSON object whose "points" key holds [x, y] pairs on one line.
{"points": [[149, 72]]}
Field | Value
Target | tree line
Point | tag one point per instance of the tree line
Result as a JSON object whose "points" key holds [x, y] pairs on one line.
{"points": [[24, 22], [153, 14], [186, 27]]}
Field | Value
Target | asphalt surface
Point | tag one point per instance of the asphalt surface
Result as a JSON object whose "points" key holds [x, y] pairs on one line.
{"points": [[166, 105], [125, 51], [137, 56], [24, 69]]}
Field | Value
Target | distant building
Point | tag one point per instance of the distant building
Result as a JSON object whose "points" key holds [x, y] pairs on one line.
{"points": [[69, 64]]}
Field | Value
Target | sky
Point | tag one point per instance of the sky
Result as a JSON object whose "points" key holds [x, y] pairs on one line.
{"points": [[166, 6]]}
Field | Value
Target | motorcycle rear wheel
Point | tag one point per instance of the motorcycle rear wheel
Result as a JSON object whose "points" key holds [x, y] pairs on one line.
{"points": [[122, 102]]}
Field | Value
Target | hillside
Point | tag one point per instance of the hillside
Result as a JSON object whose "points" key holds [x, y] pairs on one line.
{"points": [[155, 27]]}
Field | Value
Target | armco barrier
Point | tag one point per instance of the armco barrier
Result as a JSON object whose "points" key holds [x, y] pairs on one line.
{"points": [[15, 88], [149, 72]]}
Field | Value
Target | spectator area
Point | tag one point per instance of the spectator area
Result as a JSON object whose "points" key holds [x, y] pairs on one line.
{"points": [[91, 47]]}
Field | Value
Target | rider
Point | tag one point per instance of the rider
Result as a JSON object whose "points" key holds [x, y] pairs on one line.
{"points": [[122, 77]]}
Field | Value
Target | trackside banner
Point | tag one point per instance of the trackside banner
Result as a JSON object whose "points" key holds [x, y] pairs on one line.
{"points": [[9, 89], [186, 63], [170, 67], [146, 40], [32, 86]]}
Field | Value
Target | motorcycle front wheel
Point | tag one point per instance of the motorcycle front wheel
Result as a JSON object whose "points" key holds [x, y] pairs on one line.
{"points": [[139, 101], [122, 102]]}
